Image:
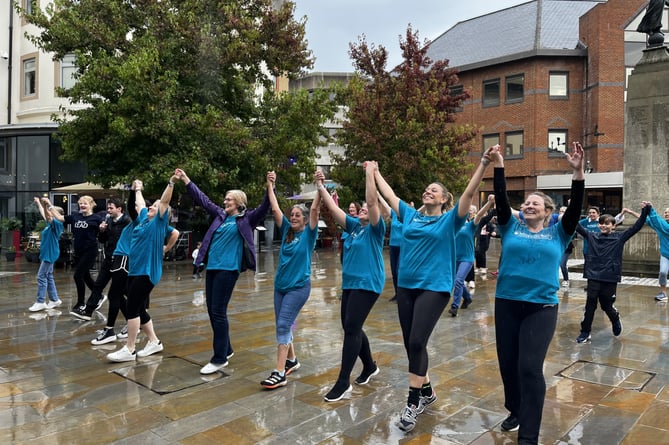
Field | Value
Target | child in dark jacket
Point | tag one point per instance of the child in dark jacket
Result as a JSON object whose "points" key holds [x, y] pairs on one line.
{"points": [[603, 269]]}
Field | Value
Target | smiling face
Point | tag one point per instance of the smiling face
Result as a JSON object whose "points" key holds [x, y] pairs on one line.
{"points": [[230, 205], [434, 195], [534, 208], [298, 219], [353, 209], [606, 227], [363, 214], [153, 209], [666, 214], [86, 205], [593, 214]]}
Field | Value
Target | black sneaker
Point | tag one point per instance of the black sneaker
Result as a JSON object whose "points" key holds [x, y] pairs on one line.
{"points": [[453, 311], [617, 327], [335, 395], [583, 337], [510, 423], [465, 304], [291, 366], [365, 376], [81, 313], [104, 336], [274, 380], [393, 299], [426, 401]]}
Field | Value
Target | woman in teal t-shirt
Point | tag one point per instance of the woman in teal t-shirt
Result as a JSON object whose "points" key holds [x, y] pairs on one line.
{"points": [[292, 280]]}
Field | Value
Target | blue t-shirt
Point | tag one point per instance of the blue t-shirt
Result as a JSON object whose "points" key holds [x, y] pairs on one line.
{"points": [[661, 227], [529, 265], [427, 251], [363, 266], [225, 250], [294, 270], [464, 242], [49, 249], [124, 241], [395, 230], [146, 247]]}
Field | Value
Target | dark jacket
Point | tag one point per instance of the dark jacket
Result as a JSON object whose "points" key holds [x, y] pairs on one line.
{"points": [[604, 258], [110, 236], [245, 224]]}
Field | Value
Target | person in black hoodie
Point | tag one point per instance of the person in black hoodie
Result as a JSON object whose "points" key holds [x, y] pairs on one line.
{"points": [[603, 269]]}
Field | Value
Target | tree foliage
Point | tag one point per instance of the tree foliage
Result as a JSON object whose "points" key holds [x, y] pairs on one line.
{"points": [[168, 83], [404, 119]]}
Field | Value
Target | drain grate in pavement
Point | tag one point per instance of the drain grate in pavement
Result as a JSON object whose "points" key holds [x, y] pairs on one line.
{"points": [[165, 375], [616, 376]]}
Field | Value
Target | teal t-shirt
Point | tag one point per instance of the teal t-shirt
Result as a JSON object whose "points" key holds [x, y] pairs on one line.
{"points": [[124, 241], [49, 249], [225, 251], [363, 266], [661, 227], [294, 270], [146, 247], [464, 242], [395, 230], [529, 267], [427, 251]]}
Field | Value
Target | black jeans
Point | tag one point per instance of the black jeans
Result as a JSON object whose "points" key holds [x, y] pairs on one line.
{"points": [[356, 304], [84, 261], [419, 311], [605, 293], [219, 285], [523, 332]]}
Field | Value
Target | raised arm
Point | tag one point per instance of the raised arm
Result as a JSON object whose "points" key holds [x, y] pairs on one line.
{"points": [[140, 203], [338, 214], [315, 211], [499, 183], [573, 213], [485, 209], [372, 195], [276, 210], [40, 207], [167, 195], [384, 206], [473, 185], [385, 189]]}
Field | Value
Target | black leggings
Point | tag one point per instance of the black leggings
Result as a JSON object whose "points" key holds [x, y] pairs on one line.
{"points": [[356, 305], [139, 289], [117, 300], [523, 333], [84, 261], [419, 311]]}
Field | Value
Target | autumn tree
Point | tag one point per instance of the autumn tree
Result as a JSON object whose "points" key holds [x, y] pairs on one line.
{"points": [[404, 119], [161, 84]]}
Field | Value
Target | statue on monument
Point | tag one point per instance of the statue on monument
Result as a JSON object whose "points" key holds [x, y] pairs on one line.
{"points": [[651, 23]]}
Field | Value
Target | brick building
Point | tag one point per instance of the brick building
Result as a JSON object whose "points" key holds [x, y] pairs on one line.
{"points": [[541, 75]]}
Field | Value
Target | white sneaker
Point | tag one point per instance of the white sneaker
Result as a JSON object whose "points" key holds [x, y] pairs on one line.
{"points": [[565, 284], [102, 301], [122, 355], [36, 307], [211, 368], [53, 304], [471, 284], [150, 348]]}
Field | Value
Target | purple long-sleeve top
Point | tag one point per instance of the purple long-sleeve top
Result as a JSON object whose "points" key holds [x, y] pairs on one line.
{"points": [[245, 224]]}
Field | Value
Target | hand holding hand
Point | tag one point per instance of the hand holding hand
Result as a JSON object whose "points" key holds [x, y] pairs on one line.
{"points": [[271, 177]]}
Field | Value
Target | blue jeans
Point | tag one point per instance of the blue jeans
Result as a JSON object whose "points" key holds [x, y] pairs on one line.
{"points": [[219, 286], [664, 268], [45, 283], [286, 308], [460, 290]]}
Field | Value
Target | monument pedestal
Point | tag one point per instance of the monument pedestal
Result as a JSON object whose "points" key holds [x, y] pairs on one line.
{"points": [[646, 155]]}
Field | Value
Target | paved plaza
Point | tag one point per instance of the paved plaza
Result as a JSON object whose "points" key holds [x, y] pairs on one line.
{"points": [[56, 388]]}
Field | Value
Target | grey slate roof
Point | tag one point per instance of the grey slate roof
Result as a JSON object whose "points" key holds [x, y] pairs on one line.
{"points": [[529, 29]]}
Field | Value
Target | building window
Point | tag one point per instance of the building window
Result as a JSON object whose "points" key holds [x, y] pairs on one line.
{"points": [[29, 6], [490, 140], [29, 77], [491, 93], [557, 141], [515, 88], [456, 91], [513, 144], [67, 71], [558, 85]]}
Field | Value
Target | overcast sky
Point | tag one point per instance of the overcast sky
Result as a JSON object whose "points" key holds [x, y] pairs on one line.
{"points": [[332, 25]]}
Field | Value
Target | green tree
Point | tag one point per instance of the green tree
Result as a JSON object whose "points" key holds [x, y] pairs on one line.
{"points": [[404, 119], [161, 84]]}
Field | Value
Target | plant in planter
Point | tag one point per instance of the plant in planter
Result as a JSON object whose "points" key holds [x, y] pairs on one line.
{"points": [[32, 254], [10, 229], [10, 253]]}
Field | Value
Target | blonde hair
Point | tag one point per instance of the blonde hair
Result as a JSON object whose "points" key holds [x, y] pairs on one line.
{"points": [[548, 204], [89, 199], [240, 198]]}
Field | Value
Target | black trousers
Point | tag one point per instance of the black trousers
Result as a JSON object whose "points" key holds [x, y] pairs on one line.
{"points": [[605, 294]]}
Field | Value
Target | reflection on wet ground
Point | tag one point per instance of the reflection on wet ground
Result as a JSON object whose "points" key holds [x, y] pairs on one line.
{"points": [[58, 388]]}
